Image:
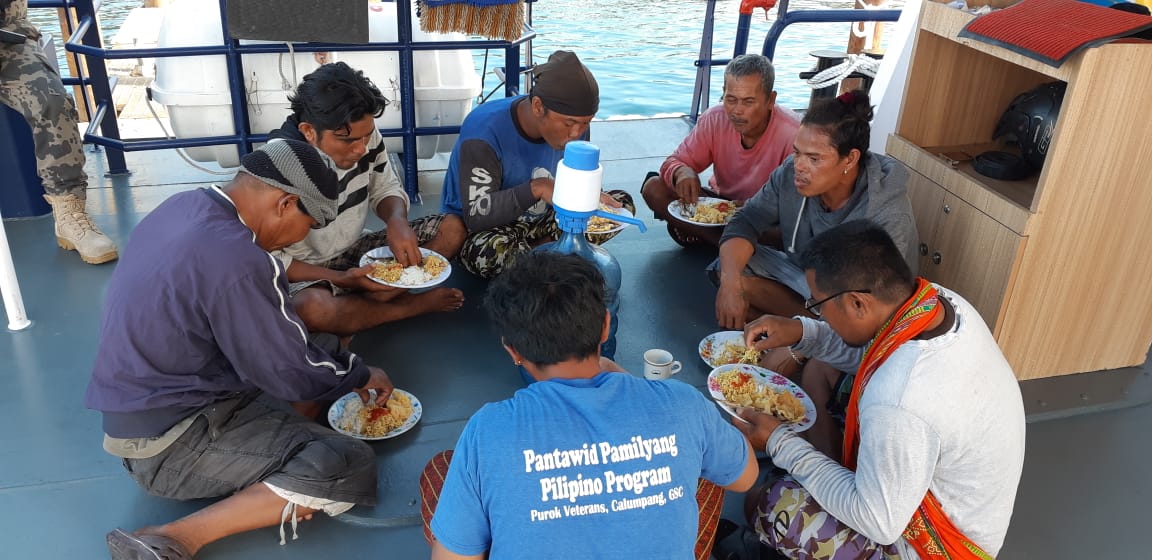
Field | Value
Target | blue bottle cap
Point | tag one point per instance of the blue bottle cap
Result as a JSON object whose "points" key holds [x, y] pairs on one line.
{"points": [[582, 155]]}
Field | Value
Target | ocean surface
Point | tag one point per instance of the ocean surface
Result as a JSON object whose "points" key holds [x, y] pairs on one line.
{"points": [[641, 52]]}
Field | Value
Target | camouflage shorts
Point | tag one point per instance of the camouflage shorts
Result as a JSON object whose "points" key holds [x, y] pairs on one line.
{"points": [[789, 520], [486, 253]]}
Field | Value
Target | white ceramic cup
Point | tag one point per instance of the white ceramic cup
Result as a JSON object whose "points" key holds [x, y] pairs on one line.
{"points": [[659, 365]]}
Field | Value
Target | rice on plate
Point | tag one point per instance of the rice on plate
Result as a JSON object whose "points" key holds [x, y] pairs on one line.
{"points": [[756, 387], [352, 416], [432, 270], [727, 347]]}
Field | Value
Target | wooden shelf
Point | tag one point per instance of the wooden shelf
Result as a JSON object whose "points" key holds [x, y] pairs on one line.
{"points": [[1007, 202], [1049, 261]]}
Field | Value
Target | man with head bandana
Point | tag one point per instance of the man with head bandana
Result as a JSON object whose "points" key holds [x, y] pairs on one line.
{"points": [[201, 352], [500, 174]]}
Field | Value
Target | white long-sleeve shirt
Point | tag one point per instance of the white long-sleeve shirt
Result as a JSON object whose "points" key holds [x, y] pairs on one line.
{"points": [[943, 414]]}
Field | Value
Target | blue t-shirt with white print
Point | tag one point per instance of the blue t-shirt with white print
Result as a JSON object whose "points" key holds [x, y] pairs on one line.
{"points": [[592, 468]]}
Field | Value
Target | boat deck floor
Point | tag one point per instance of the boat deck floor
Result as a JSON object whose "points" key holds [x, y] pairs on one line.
{"points": [[1085, 477]]}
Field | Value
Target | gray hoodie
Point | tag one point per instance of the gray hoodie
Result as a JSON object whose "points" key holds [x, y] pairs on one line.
{"points": [[880, 195]]}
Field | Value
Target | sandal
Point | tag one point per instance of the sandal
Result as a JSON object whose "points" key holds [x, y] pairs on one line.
{"points": [[130, 546]]}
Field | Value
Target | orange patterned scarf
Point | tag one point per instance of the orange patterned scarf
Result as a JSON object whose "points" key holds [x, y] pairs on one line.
{"points": [[930, 532]]}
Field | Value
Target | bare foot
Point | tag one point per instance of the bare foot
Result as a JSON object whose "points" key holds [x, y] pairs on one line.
{"points": [[385, 295], [439, 299]]}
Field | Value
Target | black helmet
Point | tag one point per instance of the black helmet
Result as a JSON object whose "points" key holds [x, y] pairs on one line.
{"points": [[1030, 121]]}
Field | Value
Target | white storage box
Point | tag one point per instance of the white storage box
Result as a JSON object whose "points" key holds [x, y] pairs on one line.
{"points": [[194, 89]]}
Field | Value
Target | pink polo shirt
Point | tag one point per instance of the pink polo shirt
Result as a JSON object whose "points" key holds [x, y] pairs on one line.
{"points": [[737, 173]]}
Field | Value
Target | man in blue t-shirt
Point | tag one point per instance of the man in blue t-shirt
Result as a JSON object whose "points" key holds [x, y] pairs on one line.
{"points": [[500, 174], [590, 461]]}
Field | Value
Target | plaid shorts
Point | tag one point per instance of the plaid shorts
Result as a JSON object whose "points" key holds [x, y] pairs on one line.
{"points": [[425, 228]]}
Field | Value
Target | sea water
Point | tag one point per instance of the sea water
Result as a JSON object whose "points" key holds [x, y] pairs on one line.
{"points": [[641, 52]]}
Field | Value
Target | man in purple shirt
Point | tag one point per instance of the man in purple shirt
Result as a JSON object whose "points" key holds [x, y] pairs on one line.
{"points": [[201, 352]]}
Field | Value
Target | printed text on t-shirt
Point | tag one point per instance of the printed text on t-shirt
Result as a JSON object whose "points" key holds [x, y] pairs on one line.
{"points": [[479, 200]]}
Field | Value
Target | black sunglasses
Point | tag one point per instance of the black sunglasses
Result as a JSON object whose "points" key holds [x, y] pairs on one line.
{"points": [[813, 307]]}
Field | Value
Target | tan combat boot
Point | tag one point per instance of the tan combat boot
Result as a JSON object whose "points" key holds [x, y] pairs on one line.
{"points": [[75, 230]]}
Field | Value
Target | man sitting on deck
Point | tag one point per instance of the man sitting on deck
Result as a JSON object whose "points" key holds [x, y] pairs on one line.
{"points": [[500, 174], [199, 352], [933, 445], [832, 177], [590, 462], [334, 110], [743, 140]]}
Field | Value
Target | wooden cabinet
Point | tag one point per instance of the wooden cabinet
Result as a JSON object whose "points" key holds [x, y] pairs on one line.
{"points": [[1055, 262], [963, 245]]}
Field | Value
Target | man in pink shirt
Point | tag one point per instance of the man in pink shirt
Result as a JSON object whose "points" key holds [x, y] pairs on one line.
{"points": [[743, 140]]}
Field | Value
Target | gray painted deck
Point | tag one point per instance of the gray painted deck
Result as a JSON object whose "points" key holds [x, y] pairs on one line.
{"points": [[1085, 477]]}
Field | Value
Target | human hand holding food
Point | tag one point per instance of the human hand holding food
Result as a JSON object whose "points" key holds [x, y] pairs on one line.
{"points": [[378, 381], [687, 185], [357, 279], [542, 188], [757, 427], [404, 244], [771, 331]]}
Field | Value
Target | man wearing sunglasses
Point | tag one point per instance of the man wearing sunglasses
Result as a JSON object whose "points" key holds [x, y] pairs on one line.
{"points": [[933, 440]]}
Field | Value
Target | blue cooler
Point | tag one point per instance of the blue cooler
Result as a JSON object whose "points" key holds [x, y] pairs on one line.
{"points": [[21, 192]]}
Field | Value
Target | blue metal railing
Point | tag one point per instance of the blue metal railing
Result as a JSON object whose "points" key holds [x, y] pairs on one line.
{"points": [[784, 18], [86, 41]]}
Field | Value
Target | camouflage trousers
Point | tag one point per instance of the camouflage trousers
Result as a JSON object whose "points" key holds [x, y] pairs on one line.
{"points": [[789, 520], [486, 253], [30, 84]]}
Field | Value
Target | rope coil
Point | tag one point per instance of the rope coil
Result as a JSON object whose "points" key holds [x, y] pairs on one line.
{"points": [[863, 64]]}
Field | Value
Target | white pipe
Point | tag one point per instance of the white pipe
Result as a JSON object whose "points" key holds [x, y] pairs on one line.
{"points": [[10, 287]]}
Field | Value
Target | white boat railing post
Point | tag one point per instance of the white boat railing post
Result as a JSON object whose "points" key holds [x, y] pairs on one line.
{"points": [[10, 286]]}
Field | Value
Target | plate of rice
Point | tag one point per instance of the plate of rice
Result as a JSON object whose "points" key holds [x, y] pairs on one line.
{"points": [[596, 224], [351, 416], [388, 271], [766, 390], [727, 347], [710, 211]]}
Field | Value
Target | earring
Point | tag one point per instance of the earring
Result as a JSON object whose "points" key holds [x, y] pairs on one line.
{"points": [[846, 170]]}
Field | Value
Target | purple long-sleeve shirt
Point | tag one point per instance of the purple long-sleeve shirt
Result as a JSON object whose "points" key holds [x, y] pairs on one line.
{"points": [[197, 312]]}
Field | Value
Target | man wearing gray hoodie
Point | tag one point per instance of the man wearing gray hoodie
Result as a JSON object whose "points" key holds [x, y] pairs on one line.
{"points": [[829, 179]]}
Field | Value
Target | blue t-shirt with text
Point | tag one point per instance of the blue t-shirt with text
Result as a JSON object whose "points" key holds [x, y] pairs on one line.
{"points": [[595, 468]]}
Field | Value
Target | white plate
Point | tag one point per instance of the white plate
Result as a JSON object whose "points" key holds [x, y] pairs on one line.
{"points": [[677, 210], [713, 344], [337, 410], [771, 379], [386, 253], [619, 225]]}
